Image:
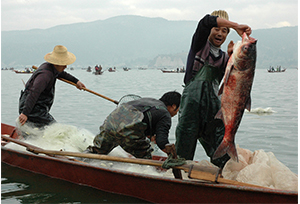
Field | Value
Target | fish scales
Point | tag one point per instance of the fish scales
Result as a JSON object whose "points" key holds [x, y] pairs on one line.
{"points": [[235, 91]]}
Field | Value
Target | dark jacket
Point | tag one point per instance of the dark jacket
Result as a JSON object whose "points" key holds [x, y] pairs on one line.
{"points": [[157, 118], [199, 41], [38, 96]]}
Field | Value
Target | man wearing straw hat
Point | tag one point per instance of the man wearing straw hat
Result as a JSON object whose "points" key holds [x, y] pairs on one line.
{"points": [[37, 98], [205, 69]]}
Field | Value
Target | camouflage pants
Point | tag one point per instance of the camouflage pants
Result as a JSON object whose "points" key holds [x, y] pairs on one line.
{"points": [[124, 127]]}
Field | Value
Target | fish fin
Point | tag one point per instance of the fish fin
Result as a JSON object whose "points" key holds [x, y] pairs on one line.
{"points": [[221, 89], [248, 104], [229, 67], [244, 37], [226, 147], [233, 153], [227, 74], [219, 115]]}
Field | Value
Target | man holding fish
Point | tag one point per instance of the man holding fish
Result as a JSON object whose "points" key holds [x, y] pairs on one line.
{"points": [[200, 103]]}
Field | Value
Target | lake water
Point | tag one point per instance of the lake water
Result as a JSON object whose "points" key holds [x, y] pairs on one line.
{"points": [[275, 131]]}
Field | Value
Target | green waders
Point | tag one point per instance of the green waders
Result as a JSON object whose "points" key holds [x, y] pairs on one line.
{"points": [[123, 127], [198, 107]]}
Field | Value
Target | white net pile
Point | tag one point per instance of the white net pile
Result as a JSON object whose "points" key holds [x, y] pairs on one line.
{"points": [[258, 167], [261, 168]]}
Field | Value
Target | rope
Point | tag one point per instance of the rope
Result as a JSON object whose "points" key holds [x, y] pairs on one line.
{"points": [[171, 162]]}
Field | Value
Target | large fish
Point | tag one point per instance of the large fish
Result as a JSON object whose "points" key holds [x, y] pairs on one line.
{"points": [[236, 90]]}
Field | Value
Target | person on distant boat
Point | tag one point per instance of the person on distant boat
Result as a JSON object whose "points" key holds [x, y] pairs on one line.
{"points": [[200, 103], [131, 123], [36, 100], [96, 68]]}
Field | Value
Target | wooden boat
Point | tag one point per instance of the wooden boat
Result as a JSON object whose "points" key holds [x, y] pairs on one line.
{"points": [[98, 73], [146, 187], [112, 69], [23, 72], [173, 71], [89, 69], [276, 70]]}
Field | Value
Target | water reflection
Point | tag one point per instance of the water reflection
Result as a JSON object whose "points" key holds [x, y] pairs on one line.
{"points": [[20, 186]]}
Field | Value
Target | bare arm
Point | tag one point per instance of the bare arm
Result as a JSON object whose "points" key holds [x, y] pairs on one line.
{"points": [[239, 28]]}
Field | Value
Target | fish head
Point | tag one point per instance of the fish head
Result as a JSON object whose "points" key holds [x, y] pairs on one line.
{"points": [[249, 45], [245, 53]]}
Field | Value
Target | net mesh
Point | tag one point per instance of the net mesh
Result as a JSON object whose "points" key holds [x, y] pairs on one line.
{"points": [[129, 97]]}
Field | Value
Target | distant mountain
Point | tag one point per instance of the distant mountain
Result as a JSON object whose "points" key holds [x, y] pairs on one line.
{"points": [[135, 41], [275, 46]]}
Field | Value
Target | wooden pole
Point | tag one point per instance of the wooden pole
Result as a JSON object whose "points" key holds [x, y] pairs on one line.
{"points": [[205, 173], [85, 89]]}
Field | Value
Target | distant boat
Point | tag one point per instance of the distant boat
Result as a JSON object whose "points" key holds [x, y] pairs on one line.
{"points": [[173, 71], [98, 73], [23, 72], [278, 69], [112, 69], [271, 71], [274, 71], [126, 69], [89, 69]]}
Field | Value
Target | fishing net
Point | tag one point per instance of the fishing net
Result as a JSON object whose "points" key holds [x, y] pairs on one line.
{"points": [[171, 162], [129, 97]]}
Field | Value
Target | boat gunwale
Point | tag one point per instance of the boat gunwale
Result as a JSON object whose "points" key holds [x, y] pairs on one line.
{"points": [[145, 176]]}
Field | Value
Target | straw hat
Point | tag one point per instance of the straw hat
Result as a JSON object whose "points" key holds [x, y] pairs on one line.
{"points": [[60, 56]]}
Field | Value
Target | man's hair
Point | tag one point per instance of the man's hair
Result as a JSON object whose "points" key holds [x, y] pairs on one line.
{"points": [[171, 98], [222, 14]]}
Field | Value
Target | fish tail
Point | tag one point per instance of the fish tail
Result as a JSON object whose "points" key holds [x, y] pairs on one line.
{"points": [[226, 147], [233, 153]]}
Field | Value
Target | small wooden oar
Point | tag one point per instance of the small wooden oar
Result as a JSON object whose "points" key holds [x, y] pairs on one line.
{"points": [[85, 89], [195, 171]]}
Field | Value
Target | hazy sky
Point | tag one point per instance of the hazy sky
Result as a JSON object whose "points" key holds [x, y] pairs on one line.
{"points": [[30, 14]]}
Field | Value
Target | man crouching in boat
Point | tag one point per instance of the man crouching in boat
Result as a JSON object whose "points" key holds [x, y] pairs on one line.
{"points": [[37, 98], [131, 123]]}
